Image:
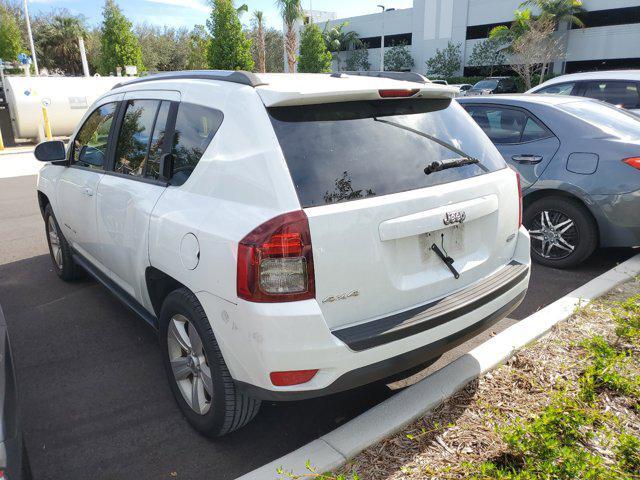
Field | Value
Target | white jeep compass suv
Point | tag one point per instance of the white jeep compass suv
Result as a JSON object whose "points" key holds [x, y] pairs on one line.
{"points": [[289, 236]]}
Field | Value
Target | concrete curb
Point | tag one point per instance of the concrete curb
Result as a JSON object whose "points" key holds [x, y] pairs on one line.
{"points": [[333, 449]]}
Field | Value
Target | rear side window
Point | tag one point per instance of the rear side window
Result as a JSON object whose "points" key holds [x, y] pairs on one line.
{"points": [[133, 140], [608, 119], [622, 94], [195, 127], [560, 89], [507, 125], [338, 152]]}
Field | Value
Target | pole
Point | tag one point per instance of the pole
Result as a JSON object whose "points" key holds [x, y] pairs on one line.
{"points": [[382, 40], [47, 125], [33, 48], [83, 56]]}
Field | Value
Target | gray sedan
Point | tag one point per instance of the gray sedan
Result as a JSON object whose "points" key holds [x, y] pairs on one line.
{"points": [[579, 161]]}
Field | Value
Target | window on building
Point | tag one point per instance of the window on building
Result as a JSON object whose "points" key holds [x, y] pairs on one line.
{"points": [[475, 32], [604, 64], [610, 17]]}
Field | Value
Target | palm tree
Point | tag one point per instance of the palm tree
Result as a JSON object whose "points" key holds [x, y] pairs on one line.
{"points": [[506, 36], [291, 12], [57, 43], [559, 11], [336, 39], [258, 18]]}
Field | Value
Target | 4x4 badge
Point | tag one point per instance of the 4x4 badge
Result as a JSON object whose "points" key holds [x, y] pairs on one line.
{"points": [[342, 296], [454, 217]]}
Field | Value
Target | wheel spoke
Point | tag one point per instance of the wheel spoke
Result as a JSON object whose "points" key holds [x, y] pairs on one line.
{"points": [[562, 243], [564, 226], [537, 237], [546, 248], [198, 400], [194, 340], [535, 231], [180, 368], [178, 333], [206, 379], [58, 256]]}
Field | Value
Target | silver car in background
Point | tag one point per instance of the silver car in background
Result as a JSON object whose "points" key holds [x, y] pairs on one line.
{"points": [[579, 161]]}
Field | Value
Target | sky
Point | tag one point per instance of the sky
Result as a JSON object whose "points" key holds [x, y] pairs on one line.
{"points": [[188, 13]]}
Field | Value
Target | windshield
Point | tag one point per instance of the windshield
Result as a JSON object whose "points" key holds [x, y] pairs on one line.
{"points": [[611, 121], [339, 152], [486, 84]]}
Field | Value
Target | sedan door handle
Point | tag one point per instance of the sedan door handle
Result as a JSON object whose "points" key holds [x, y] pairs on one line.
{"points": [[527, 159], [88, 192]]}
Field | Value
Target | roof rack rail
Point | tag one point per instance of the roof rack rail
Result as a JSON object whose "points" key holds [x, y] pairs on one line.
{"points": [[233, 76], [403, 76]]}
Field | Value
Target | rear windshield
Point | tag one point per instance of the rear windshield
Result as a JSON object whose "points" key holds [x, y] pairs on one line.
{"points": [[610, 120], [486, 84], [338, 152]]}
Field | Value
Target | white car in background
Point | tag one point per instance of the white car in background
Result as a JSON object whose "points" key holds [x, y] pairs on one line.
{"points": [[618, 87], [288, 236]]}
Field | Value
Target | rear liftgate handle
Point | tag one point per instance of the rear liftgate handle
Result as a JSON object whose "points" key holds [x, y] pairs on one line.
{"points": [[448, 261]]}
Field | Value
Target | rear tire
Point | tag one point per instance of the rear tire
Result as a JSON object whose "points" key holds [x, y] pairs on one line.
{"points": [[563, 232], [59, 249], [197, 373]]}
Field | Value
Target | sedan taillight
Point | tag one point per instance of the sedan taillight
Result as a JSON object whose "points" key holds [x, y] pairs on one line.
{"points": [[275, 261]]}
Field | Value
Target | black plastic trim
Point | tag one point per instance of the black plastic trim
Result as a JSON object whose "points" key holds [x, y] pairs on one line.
{"points": [[116, 290], [425, 317], [389, 367], [240, 76]]}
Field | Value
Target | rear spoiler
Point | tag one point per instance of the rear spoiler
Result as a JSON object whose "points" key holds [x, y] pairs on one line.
{"points": [[404, 76]]}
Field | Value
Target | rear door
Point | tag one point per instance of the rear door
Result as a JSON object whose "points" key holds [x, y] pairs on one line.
{"points": [[523, 140], [375, 214], [132, 185]]}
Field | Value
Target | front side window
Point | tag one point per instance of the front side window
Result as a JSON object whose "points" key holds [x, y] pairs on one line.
{"points": [[559, 89], [339, 152], [133, 141], [622, 94], [90, 144], [195, 127]]}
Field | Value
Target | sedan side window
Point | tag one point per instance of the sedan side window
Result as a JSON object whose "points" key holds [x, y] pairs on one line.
{"points": [[90, 144], [560, 89], [502, 125], [622, 94]]}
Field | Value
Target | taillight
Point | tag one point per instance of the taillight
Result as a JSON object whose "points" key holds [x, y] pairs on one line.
{"points": [[296, 377], [633, 161], [275, 261], [399, 93], [519, 200]]}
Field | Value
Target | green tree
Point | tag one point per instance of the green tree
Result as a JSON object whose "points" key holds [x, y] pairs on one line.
{"points": [[56, 40], [93, 47], [487, 55], [119, 46], [198, 46], [314, 57], [230, 49], [446, 62], [358, 60], [559, 11], [274, 46], [336, 39], [291, 12], [258, 20], [398, 58], [507, 36], [10, 36], [164, 49]]}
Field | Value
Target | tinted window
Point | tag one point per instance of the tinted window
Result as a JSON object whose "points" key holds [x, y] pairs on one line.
{"points": [[90, 144], [623, 94], [157, 141], [195, 127], [133, 140], [339, 152], [502, 125], [609, 120], [533, 131], [559, 89], [486, 84]]}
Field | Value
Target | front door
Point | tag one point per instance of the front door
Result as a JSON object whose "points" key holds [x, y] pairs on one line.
{"points": [[132, 186], [78, 185]]}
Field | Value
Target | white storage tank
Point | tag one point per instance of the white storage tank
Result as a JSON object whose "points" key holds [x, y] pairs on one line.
{"points": [[68, 98]]}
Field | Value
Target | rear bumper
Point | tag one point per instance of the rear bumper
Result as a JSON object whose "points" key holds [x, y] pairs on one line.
{"points": [[257, 339], [389, 367], [618, 219]]}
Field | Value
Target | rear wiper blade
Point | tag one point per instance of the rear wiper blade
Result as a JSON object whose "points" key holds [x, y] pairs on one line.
{"points": [[466, 158], [449, 163]]}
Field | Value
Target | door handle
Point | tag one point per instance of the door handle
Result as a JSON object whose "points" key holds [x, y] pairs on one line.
{"points": [[88, 192], [527, 159]]}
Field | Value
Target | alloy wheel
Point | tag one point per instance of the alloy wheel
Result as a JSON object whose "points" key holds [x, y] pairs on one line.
{"points": [[189, 364], [54, 242], [554, 235]]}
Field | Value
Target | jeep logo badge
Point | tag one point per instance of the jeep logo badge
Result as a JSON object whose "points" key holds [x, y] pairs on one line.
{"points": [[451, 218]]}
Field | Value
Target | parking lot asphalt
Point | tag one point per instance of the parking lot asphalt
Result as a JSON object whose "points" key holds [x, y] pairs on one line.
{"points": [[94, 398]]}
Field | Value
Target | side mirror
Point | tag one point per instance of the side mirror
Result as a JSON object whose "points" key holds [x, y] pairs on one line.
{"points": [[52, 151]]}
